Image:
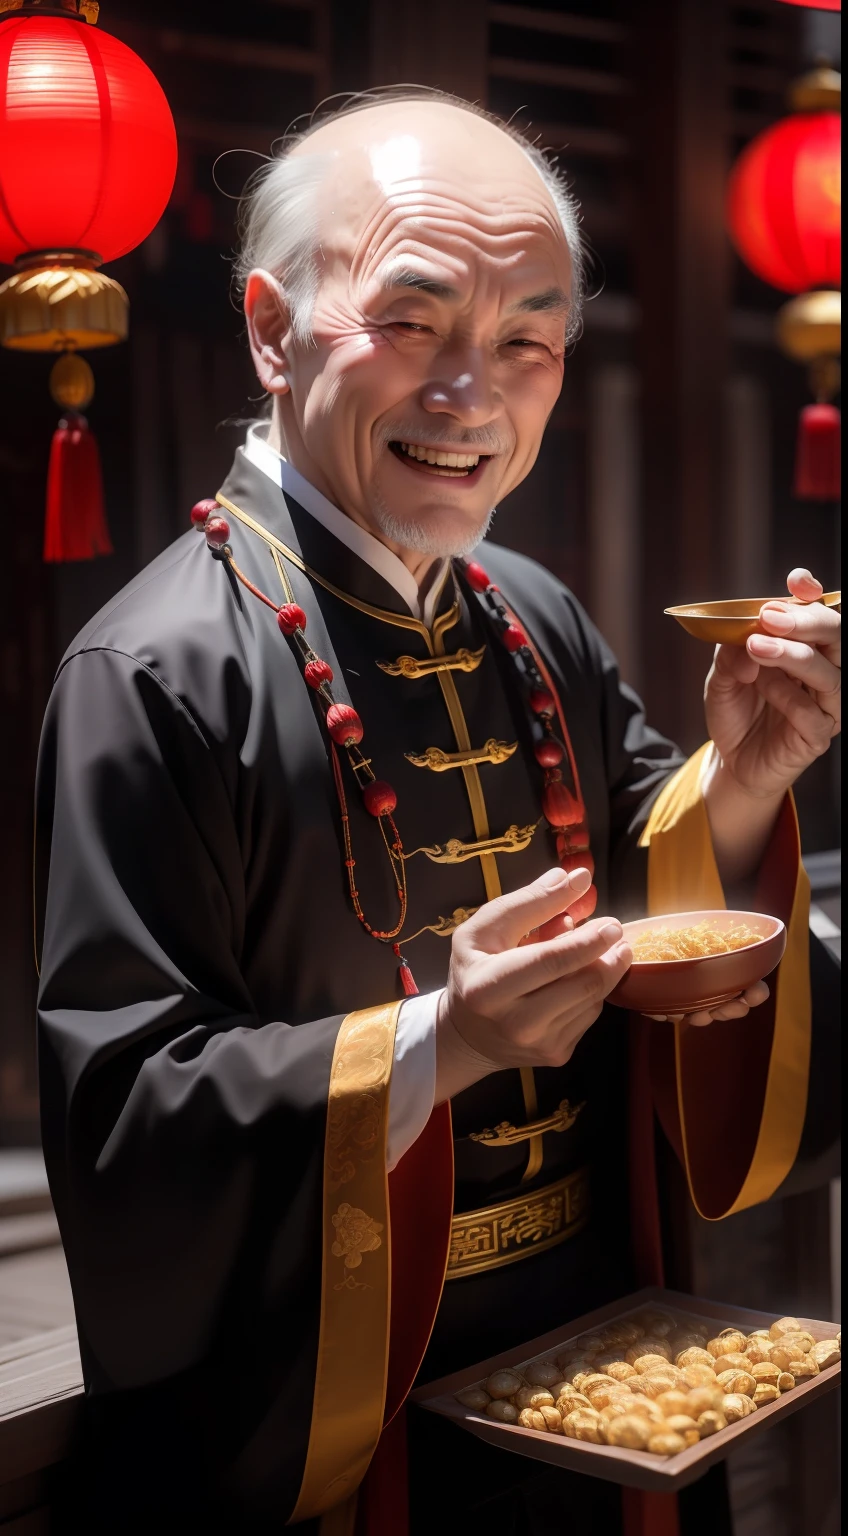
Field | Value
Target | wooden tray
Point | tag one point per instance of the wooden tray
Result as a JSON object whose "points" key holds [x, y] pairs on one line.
{"points": [[636, 1469]]}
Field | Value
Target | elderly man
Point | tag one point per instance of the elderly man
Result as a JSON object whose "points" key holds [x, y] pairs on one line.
{"points": [[318, 753]]}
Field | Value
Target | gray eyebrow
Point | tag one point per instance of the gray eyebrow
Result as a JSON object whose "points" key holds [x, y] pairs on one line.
{"points": [[541, 303], [406, 277]]}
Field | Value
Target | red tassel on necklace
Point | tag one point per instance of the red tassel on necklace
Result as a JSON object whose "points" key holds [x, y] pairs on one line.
{"points": [[818, 464], [407, 980]]}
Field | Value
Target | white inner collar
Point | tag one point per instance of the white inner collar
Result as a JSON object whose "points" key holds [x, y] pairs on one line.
{"points": [[259, 451]]}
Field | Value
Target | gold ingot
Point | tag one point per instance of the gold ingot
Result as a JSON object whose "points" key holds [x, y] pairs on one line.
{"points": [[62, 305], [811, 325]]}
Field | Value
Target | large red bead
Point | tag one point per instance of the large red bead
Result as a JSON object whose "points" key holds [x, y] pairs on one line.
{"points": [[344, 725], [476, 577], [291, 617], [542, 701], [561, 807], [513, 637], [548, 752], [318, 672], [217, 532], [379, 798], [203, 509]]}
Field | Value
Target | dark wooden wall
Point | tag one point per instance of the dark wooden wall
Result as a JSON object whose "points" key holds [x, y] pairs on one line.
{"points": [[666, 468]]}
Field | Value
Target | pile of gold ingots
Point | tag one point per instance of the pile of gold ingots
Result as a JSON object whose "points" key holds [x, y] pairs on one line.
{"points": [[653, 1382]]}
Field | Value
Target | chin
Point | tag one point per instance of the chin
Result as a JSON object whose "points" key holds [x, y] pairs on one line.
{"points": [[441, 531]]}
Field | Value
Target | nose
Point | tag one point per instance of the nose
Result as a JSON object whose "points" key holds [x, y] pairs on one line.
{"points": [[461, 386]]}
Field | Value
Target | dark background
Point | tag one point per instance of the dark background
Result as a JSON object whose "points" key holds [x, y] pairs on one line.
{"points": [[666, 470]]}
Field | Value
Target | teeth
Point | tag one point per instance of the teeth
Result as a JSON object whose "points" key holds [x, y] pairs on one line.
{"points": [[436, 457]]}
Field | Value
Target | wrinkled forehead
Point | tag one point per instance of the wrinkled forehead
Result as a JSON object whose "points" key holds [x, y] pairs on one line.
{"points": [[434, 178]]}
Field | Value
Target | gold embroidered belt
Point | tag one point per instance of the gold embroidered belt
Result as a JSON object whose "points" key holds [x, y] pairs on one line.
{"points": [[516, 1229]]}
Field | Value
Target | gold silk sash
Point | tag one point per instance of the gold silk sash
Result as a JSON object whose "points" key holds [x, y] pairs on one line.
{"points": [[353, 1345], [683, 876]]}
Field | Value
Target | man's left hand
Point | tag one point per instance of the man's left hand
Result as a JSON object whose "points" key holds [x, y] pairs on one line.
{"points": [[772, 709], [775, 706]]}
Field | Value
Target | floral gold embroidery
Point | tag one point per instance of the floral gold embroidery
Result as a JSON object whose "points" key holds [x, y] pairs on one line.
{"points": [[356, 1233], [354, 1117]]}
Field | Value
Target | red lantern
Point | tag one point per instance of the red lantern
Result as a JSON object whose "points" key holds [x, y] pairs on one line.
{"points": [[817, 5], [784, 211], [784, 203], [89, 155]]}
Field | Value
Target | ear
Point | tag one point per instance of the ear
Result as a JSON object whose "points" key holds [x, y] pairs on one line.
{"points": [[268, 329]]}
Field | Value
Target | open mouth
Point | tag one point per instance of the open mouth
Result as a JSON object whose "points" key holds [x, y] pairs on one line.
{"points": [[440, 461]]}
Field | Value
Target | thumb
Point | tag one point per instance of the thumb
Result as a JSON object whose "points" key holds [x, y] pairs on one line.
{"points": [[503, 922]]}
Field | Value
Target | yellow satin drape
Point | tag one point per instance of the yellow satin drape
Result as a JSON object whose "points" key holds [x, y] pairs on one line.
{"points": [[683, 876]]}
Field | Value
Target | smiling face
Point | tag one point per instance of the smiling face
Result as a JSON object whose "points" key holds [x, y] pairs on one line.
{"points": [[438, 331]]}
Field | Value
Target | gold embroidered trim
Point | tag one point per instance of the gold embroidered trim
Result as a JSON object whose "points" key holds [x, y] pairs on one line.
{"points": [[462, 660], [445, 925], [507, 1135], [353, 1342], [516, 1229], [514, 840], [438, 761]]}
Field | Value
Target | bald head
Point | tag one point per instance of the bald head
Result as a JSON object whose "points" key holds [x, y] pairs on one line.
{"points": [[386, 146], [413, 274]]}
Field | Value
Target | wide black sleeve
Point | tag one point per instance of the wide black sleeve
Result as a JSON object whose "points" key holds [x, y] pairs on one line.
{"points": [[184, 1138]]}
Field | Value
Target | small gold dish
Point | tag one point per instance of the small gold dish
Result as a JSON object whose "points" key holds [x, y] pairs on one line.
{"points": [[730, 623]]}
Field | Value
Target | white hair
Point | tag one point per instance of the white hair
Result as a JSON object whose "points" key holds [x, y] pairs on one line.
{"points": [[278, 212]]}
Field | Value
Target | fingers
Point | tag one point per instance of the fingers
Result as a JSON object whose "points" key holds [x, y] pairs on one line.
{"points": [[502, 923], [530, 968], [548, 1023], [814, 726], [809, 665], [802, 583], [736, 1008], [732, 665], [811, 623]]}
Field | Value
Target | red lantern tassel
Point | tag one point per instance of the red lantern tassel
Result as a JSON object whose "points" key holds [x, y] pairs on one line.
{"points": [[75, 526], [818, 463]]}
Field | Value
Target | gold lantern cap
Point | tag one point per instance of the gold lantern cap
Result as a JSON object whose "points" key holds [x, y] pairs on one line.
{"points": [[811, 325], [820, 90], [59, 302]]}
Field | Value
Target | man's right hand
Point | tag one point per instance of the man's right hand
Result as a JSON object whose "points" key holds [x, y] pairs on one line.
{"points": [[524, 984]]}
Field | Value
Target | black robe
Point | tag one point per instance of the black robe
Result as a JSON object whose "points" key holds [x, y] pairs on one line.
{"points": [[199, 952]]}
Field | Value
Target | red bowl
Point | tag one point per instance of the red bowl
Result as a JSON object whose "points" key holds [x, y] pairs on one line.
{"points": [[682, 986]]}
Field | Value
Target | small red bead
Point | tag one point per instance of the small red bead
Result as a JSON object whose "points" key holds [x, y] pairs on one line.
{"points": [[344, 725], [217, 532], [203, 509], [476, 577], [291, 617], [513, 637], [542, 701], [561, 807], [318, 672], [548, 753], [379, 798]]}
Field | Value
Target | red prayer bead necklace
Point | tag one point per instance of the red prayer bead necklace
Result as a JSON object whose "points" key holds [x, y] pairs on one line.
{"points": [[563, 810], [345, 730]]}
